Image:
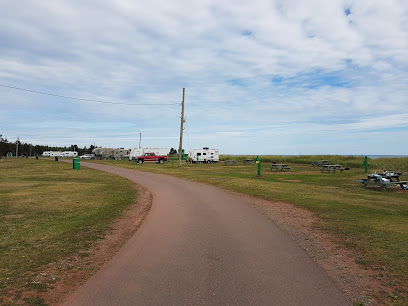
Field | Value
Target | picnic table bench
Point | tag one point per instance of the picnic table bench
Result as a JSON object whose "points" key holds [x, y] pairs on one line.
{"points": [[376, 180], [230, 162], [249, 161], [384, 180], [280, 167], [332, 168], [320, 163], [394, 178]]}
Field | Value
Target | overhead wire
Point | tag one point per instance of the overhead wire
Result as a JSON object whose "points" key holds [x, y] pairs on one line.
{"points": [[82, 99]]}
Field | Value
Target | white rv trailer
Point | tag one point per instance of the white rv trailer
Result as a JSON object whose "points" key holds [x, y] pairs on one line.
{"points": [[205, 155], [69, 154], [46, 153], [55, 154], [141, 151]]}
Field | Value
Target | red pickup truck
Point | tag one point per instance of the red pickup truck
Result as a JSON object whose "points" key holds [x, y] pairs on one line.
{"points": [[151, 157]]}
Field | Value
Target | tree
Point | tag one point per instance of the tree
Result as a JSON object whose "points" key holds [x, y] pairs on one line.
{"points": [[173, 151]]}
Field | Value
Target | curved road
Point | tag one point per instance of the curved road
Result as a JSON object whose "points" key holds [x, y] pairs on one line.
{"points": [[202, 246]]}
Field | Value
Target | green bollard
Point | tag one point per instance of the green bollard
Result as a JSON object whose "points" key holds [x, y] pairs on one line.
{"points": [[197, 160], [172, 162], [366, 164], [259, 165]]}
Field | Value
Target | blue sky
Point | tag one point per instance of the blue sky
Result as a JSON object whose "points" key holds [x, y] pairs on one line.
{"points": [[261, 77]]}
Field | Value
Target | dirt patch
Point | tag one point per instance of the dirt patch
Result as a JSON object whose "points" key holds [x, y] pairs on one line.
{"points": [[360, 284], [63, 277]]}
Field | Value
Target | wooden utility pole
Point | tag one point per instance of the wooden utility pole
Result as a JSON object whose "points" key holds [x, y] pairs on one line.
{"points": [[181, 130], [18, 139]]}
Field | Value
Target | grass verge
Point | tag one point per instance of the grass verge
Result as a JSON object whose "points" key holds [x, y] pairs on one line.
{"points": [[48, 212]]}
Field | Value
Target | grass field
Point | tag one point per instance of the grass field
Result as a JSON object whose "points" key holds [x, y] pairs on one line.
{"points": [[48, 212], [372, 223]]}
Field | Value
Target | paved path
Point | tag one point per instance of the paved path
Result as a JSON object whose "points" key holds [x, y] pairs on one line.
{"points": [[202, 246]]}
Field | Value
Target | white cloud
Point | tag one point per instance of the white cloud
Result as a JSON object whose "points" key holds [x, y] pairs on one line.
{"points": [[252, 70]]}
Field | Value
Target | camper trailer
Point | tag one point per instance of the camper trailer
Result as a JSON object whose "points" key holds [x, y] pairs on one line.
{"points": [[55, 154], [204, 155], [69, 154], [141, 151]]}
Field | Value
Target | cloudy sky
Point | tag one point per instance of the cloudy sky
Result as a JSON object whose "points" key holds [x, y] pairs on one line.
{"points": [[261, 77]]}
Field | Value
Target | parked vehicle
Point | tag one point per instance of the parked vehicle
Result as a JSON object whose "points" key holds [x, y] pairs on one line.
{"points": [[205, 155], [87, 156], [151, 157], [55, 154], [69, 154], [134, 153]]}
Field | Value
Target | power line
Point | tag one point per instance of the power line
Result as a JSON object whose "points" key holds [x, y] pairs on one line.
{"points": [[81, 99]]}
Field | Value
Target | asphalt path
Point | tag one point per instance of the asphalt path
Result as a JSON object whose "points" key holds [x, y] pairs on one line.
{"points": [[202, 246]]}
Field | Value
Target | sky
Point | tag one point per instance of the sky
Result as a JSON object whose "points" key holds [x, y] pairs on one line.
{"points": [[278, 77]]}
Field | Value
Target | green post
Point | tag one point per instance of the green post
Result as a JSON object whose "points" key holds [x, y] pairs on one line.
{"points": [[182, 156], [259, 165], [366, 164], [197, 160], [172, 162]]}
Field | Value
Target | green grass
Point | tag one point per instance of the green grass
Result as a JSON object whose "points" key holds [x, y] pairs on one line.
{"points": [[49, 211], [372, 223]]}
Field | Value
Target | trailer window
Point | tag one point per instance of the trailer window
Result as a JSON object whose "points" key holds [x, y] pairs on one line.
{"points": [[198, 154], [204, 153]]}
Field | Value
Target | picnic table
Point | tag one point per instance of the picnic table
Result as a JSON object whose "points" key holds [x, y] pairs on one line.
{"points": [[376, 180], [384, 180], [394, 178], [230, 162], [332, 168], [280, 167], [320, 163], [249, 161]]}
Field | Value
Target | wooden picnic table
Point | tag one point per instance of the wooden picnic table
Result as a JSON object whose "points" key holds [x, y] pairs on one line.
{"points": [[320, 163], [249, 161], [375, 180], [384, 180], [394, 178], [230, 162], [332, 168], [280, 167]]}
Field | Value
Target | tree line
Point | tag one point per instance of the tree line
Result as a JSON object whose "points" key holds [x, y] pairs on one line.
{"points": [[28, 149]]}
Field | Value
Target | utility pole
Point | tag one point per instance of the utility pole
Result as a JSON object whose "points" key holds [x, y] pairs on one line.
{"points": [[181, 130], [140, 140], [18, 139]]}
